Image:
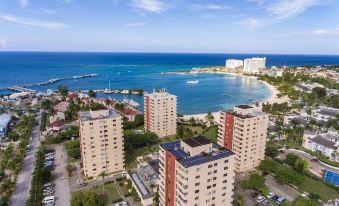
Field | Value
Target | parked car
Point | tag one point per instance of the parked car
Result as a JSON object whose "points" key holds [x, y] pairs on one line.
{"points": [[314, 160], [275, 197], [260, 198], [280, 200], [270, 195], [254, 194]]}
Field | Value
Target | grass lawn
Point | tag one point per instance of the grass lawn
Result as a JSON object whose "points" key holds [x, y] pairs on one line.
{"points": [[124, 188], [112, 192], [310, 185], [212, 134]]}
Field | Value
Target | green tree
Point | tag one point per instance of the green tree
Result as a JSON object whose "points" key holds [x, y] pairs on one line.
{"points": [[63, 90], [239, 200], [256, 182], [300, 201], [272, 150], [301, 165], [291, 159], [119, 106], [319, 92], [103, 176], [92, 94]]}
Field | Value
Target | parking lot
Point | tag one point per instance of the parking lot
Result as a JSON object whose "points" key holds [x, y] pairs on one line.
{"points": [[57, 192], [276, 191]]}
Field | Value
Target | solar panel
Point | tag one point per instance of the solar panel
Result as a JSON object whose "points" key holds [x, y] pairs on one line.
{"points": [[331, 177], [171, 145], [179, 153]]}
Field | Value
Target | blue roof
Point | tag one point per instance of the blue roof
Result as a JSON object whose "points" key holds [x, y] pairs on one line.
{"points": [[331, 177]]}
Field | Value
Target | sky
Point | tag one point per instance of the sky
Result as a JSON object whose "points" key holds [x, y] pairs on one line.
{"points": [[189, 26]]}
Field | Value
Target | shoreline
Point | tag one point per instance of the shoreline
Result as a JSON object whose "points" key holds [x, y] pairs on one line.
{"points": [[271, 100]]}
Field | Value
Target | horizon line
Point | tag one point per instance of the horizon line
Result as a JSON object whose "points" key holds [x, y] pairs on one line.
{"points": [[162, 52]]}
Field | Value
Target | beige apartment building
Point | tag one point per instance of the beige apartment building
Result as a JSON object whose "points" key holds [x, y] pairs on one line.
{"points": [[244, 131], [160, 113], [195, 172], [101, 142]]}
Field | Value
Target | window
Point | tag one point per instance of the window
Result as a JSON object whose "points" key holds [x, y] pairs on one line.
{"points": [[197, 191]]}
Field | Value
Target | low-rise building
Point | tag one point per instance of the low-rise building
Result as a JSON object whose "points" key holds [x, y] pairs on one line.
{"points": [[5, 120], [145, 181]]}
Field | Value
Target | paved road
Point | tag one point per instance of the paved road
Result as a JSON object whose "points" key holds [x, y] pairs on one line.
{"points": [[315, 167], [23, 184], [62, 189]]}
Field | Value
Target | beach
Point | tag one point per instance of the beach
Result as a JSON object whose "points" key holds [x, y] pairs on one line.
{"points": [[271, 100]]}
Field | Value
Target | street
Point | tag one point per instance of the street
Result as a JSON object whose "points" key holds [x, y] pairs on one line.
{"points": [[316, 167], [23, 184], [62, 189]]}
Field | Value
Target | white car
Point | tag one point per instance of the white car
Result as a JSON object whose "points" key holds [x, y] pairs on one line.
{"points": [[260, 198], [48, 200], [270, 195]]}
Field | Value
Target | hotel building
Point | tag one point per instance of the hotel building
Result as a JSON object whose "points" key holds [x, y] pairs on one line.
{"points": [[244, 131], [254, 65], [234, 63], [101, 142], [195, 172], [160, 113]]}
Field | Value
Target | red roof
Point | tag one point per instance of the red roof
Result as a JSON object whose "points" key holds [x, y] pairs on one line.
{"points": [[57, 123], [131, 112]]}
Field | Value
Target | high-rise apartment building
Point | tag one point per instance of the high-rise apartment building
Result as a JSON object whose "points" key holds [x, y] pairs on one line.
{"points": [[254, 65], [244, 131], [195, 172], [234, 63], [160, 113], [101, 142]]}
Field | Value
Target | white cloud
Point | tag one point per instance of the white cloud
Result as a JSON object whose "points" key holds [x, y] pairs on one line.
{"points": [[318, 32], [49, 11], [282, 9], [210, 6], [278, 11], [32, 22], [23, 3], [155, 6], [136, 24], [3, 44]]}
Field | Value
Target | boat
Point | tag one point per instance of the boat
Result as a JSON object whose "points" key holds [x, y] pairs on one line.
{"points": [[131, 102], [192, 82], [109, 90]]}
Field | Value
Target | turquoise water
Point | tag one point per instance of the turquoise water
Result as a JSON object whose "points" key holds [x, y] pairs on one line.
{"points": [[132, 70]]}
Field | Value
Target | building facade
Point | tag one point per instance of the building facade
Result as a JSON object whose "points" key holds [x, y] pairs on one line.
{"points": [[234, 63], [254, 65], [101, 142], [5, 119], [244, 131], [160, 113], [195, 172]]}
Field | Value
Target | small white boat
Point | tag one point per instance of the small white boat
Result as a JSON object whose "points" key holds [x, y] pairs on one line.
{"points": [[109, 90], [131, 102], [192, 82]]}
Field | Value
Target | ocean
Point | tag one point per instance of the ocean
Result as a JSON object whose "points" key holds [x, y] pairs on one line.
{"points": [[214, 92]]}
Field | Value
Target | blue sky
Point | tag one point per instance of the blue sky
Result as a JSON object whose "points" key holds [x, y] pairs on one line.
{"points": [[237, 26]]}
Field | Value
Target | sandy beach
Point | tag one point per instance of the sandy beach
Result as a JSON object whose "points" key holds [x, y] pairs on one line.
{"points": [[272, 99]]}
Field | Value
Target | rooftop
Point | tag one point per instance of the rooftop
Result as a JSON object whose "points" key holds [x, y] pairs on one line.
{"points": [[187, 161], [100, 114], [197, 141], [4, 120], [325, 142], [244, 107]]}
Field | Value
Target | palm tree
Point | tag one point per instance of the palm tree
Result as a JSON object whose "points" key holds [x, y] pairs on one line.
{"points": [[103, 175]]}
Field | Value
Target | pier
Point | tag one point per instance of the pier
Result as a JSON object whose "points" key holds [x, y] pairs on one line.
{"points": [[25, 87]]}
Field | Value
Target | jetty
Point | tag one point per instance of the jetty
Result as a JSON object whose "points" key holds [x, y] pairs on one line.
{"points": [[115, 91], [25, 87]]}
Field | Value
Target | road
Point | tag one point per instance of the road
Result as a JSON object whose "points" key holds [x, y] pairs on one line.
{"points": [[62, 189], [315, 167], [23, 184]]}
